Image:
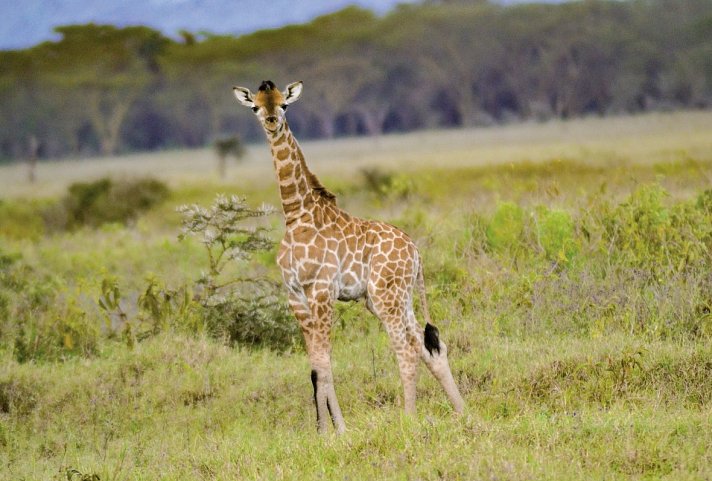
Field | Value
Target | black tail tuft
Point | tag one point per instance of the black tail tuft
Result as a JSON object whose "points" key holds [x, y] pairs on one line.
{"points": [[431, 339]]}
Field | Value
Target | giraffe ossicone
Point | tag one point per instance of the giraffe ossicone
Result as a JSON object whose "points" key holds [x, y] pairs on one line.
{"points": [[328, 255]]}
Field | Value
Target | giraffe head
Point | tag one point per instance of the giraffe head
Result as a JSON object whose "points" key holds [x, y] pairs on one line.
{"points": [[269, 104]]}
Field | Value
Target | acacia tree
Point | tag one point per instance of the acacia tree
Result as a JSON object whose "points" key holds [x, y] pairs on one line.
{"points": [[424, 65], [106, 69], [197, 94]]}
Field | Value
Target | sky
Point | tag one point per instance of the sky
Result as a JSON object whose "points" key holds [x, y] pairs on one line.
{"points": [[28, 22]]}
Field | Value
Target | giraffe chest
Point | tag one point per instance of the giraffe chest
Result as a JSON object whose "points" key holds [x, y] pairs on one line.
{"points": [[335, 262]]}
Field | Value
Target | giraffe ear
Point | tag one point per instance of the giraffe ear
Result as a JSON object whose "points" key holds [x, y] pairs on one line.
{"points": [[292, 92], [244, 96]]}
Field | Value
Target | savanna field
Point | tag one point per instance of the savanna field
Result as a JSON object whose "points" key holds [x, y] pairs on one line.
{"points": [[568, 267]]}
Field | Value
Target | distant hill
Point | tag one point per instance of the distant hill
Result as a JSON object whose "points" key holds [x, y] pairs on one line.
{"points": [[29, 22]]}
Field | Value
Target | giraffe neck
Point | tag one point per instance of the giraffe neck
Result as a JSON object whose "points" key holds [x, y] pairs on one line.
{"points": [[299, 189]]}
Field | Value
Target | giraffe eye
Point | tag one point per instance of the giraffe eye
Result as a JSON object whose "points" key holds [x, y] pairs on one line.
{"points": [[255, 109], [284, 107]]}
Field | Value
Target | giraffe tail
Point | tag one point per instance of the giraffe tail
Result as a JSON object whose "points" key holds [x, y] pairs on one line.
{"points": [[431, 336]]}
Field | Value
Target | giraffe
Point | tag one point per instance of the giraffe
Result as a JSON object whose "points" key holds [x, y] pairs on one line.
{"points": [[328, 255]]}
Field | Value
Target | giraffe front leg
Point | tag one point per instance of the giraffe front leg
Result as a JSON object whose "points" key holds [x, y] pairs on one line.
{"points": [[319, 347], [325, 394], [315, 322]]}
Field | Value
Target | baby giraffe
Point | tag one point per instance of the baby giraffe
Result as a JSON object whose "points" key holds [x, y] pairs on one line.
{"points": [[328, 255]]}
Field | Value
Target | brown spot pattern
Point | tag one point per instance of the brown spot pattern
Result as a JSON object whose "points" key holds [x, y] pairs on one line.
{"points": [[328, 255]]}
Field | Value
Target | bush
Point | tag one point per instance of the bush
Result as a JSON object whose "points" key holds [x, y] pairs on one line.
{"points": [[386, 185], [105, 201], [555, 232], [641, 267], [506, 228], [21, 219], [260, 319], [647, 234], [238, 306], [248, 310]]}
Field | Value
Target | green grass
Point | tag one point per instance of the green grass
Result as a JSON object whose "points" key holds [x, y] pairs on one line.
{"points": [[177, 408], [567, 265]]}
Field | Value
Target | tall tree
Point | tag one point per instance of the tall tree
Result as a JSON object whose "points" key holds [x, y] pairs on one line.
{"points": [[107, 69]]}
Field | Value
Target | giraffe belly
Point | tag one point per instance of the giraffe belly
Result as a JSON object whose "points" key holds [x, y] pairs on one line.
{"points": [[350, 288]]}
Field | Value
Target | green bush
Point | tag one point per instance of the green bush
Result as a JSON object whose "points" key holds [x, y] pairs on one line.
{"points": [[243, 308], [105, 201], [640, 266], [639, 227], [386, 185], [555, 232], [262, 319], [63, 332], [645, 233], [21, 219], [505, 230]]}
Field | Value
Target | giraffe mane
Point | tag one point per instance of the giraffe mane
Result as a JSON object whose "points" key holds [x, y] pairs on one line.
{"points": [[314, 183], [317, 187]]}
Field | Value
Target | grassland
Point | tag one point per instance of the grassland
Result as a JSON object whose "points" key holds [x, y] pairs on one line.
{"points": [[568, 268]]}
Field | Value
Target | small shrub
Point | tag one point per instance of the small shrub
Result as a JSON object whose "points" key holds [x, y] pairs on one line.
{"points": [[386, 184], [555, 232], [638, 226], [161, 307], [110, 304], [21, 219], [650, 235], [105, 201], [246, 310], [506, 229], [473, 237], [262, 319]]}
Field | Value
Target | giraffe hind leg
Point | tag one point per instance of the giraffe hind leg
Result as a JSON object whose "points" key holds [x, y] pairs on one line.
{"points": [[433, 352], [392, 313]]}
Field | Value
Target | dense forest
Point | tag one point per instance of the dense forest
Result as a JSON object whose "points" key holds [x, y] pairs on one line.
{"points": [[105, 90]]}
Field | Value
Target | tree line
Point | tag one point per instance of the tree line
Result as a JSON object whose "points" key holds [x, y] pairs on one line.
{"points": [[101, 89]]}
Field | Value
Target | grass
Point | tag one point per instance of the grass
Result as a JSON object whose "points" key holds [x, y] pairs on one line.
{"points": [[567, 265], [177, 408]]}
